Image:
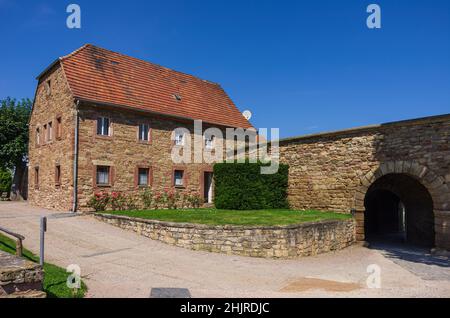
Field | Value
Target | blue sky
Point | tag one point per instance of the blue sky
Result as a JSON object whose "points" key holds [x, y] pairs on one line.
{"points": [[302, 66]]}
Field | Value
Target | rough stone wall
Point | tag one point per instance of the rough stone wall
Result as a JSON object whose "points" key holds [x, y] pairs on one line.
{"points": [[47, 107], [124, 152], [20, 278], [332, 171], [269, 242]]}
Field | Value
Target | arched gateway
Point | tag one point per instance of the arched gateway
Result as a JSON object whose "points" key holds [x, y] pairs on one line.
{"points": [[403, 200]]}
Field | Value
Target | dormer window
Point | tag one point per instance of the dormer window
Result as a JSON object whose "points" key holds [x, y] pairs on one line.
{"points": [[177, 97]]}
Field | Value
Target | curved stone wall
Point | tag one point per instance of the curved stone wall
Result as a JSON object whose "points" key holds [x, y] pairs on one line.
{"points": [[271, 242]]}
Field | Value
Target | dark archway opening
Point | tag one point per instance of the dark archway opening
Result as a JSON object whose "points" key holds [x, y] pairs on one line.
{"points": [[399, 209]]}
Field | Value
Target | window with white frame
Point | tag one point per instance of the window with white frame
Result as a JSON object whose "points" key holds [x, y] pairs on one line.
{"points": [[103, 175], [178, 178], [179, 138], [143, 176], [144, 130], [103, 126]]}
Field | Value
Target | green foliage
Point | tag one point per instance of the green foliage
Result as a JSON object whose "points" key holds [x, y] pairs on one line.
{"points": [[147, 198], [234, 217], [5, 180], [14, 116], [241, 186], [55, 277]]}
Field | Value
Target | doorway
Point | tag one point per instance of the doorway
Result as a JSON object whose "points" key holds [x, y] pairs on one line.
{"points": [[208, 187], [399, 209]]}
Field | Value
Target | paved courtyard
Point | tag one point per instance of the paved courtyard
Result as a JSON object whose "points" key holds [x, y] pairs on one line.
{"points": [[117, 263]]}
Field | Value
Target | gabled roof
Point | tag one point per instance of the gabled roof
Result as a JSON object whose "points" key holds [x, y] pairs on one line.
{"points": [[105, 77]]}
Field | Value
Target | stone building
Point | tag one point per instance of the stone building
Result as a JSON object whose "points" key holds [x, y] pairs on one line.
{"points": [[104, 121]]}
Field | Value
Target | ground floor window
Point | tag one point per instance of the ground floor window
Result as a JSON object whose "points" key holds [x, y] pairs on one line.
{"points": [[103, 175], [143, 179], [178, 177]]}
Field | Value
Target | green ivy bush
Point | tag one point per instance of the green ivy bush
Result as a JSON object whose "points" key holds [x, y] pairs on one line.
{"points": [[5, 180], [241, 186]]}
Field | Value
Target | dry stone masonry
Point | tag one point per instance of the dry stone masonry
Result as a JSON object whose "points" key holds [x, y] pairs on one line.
{"points": [[269, 242]]}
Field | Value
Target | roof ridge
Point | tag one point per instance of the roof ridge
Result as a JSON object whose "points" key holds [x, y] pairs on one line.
{"points": [[75, 52], [141, 60]]}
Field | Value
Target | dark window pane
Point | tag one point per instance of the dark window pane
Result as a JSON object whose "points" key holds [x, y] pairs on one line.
{"points": [[102, 175]]}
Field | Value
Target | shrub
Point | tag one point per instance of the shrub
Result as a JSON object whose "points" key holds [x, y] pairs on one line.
{"points": [[5, 180], [131, 202], [147, 198], [195, 200], [118, 201], [241, 186], [99, 201]]}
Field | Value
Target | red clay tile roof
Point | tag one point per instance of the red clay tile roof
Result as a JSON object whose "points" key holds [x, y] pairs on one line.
{"points": [[103, 76]]}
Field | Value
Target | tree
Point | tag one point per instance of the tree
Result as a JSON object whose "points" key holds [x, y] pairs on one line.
{"points": [[14, 116]]}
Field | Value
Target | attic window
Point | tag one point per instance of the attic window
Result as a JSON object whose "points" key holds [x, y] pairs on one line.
{"points": [[48, 87], [114, 63], [177, 97]]}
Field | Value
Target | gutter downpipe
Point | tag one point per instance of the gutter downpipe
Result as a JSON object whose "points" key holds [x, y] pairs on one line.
{"points": [[75, 160]]}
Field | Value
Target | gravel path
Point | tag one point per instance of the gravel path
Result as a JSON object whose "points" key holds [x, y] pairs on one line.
{"points": [[117, 263]]}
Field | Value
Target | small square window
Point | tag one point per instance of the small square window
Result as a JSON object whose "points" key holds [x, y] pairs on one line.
{"points": [[103, 126], [178, 178], [144, 130], [143, 176], [103, 175]]}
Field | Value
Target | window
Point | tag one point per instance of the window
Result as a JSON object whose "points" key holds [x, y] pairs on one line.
{"points": [[58, 128], [209, 142], [103, 126], [179, 138], [144, 132], [143, 177], [49, 131], [103, 175], [57, 175], [178, 177], [45, 133], [48, 87], [36, 177], [38, 136]]}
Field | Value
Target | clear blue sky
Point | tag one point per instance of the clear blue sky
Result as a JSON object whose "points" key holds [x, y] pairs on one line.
{"points": [[302, 66]]}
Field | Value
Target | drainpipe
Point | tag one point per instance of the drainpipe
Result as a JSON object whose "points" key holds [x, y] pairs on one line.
{"points": [[75, 160]]}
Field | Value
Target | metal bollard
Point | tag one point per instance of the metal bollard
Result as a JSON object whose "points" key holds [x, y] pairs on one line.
{"points": [[43, 230]]}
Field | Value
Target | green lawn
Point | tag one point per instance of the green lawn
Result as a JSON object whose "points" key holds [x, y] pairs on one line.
{"points": [[224, 217], [55, 277]]}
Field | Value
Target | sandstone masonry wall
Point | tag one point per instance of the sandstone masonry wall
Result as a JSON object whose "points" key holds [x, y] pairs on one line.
{"points": [[125, 153], [333, 171], [48, 106], [269, 242]]}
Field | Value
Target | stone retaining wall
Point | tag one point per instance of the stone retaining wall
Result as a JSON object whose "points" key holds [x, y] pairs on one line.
{"points": [[20, 278], [271, 242]]}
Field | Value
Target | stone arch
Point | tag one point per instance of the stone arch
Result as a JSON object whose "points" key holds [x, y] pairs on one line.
{"points": [[434, 183]]}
